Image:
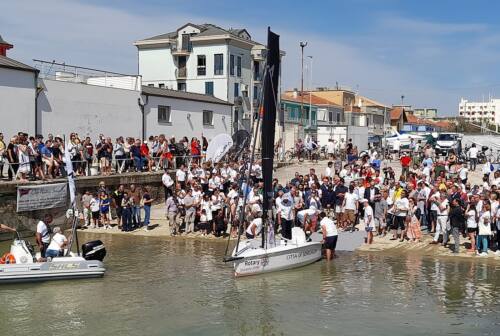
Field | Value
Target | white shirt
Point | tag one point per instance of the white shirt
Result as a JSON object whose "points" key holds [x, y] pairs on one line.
{"points": [[462, 173], [94, 204], [369, 219], [328, 171], [285, 211], [180, 174], [42, 229], [330, 147], [350, 201], [484, 224], [444, 204], [402, 205], [167, 180], [302, 213], [330, 227], [57, 242], [257, 222], [473, 152], [471, 219]]}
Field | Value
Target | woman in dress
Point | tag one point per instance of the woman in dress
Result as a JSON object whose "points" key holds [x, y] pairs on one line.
{"points": [[414, 233], [24, 163], [472, 217]]}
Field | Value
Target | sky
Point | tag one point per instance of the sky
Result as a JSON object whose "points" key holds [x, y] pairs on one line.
{"points": [[431, 52]]}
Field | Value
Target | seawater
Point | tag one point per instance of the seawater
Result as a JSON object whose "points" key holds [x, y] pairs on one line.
{"points": [[155, 286]]}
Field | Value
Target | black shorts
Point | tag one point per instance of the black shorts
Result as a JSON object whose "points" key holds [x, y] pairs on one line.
{"points": [[399, 222], [119, 211], [331, 242], [471, 230], [95, 214], [433, 215]]}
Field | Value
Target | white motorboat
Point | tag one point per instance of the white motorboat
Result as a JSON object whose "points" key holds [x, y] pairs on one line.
{"points": [[23, 265], [250, 258]]}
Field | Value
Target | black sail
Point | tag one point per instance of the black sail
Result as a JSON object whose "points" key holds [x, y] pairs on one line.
{"points": [[269, 104]]}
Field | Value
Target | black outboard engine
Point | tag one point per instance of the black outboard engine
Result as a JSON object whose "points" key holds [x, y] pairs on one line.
{"points": [[94, 250]]}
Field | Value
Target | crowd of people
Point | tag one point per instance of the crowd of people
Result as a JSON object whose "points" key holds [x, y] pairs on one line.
{"points": [[26, 157], [432, 195]]}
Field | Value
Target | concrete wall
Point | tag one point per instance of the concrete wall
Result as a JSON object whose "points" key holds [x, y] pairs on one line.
{"points": [[17, 102], [89, 110], [180, 125], [26, 221]]}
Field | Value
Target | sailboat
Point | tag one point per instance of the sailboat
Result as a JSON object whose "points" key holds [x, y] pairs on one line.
{"points": [[269, 254], [25, 267]]}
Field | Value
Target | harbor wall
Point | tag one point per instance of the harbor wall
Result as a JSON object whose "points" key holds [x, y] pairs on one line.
{"points": [[25, 222]]}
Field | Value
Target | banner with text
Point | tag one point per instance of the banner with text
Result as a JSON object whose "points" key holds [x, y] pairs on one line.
{"points": [[47, 196]]}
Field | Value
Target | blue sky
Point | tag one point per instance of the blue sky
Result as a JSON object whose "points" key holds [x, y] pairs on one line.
{"points": [[433, 52]]}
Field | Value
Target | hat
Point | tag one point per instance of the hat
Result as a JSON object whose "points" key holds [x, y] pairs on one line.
{"points": [[363, 200]]}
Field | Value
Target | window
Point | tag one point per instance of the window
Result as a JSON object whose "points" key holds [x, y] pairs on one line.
{"points": [[209, 88], [202, 65], [161, 85], [236, 89], [218, 64], [164, 114], [181, 86], [231, 65], [208, 118], [151, 85], [255, 92], [238, 66]]}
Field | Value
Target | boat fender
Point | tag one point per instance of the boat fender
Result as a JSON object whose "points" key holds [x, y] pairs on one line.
{"points": [[8, 258]]}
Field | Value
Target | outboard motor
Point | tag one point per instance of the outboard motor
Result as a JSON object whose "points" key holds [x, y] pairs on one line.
{"points": [[94, 250]]}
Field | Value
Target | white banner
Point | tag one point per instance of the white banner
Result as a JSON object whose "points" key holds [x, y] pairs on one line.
{"points": [[45, 196]]}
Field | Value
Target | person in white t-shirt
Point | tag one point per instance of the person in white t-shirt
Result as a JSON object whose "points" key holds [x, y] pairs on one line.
{"points": [[43, 234], [369, 220], [350, 206], [255, 227], [181, 175], [330, 235], [168, 183], [473, 157], [57, 244]]}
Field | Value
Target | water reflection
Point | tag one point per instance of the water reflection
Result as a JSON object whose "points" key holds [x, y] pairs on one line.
{"points": [[166, 287]]}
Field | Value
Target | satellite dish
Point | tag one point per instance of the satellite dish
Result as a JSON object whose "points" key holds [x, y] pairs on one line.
{"points": [[218, 147]]}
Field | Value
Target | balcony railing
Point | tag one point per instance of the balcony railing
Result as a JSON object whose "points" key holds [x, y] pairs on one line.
{"points": [[182, 49], [181, 73]]}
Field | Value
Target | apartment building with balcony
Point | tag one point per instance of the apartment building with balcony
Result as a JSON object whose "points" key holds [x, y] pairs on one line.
{"points": [[207, 59], [480, 112]]}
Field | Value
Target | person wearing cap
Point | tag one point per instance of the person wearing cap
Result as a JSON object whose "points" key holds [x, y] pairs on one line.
{"points": [[369, 220], [330, 235]]}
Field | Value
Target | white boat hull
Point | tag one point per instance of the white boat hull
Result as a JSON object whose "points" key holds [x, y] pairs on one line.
{"points": [[255, 260], [58, 269]]}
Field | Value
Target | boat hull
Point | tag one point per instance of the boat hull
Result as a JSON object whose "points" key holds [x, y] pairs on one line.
{"points": [[257, 261], [57, 270]]}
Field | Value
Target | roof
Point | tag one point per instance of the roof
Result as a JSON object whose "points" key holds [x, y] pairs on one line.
{"points": [[6, 62], [368, 101], [396, 113], [2, 41], [206, 29], [315, 100], [154, 91]]}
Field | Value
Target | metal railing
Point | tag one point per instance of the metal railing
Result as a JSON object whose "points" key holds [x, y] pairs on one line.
{"points": [[76, 74]]}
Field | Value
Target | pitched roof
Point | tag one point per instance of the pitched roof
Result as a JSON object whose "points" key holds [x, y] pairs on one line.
{"points": [[154, 91], [396, 113], [6, 62], [368, 101], [206, 29], [315, 100], [2, 41]]}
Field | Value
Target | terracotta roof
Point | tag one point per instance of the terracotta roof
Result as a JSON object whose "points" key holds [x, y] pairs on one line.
{"points": [[396, 113], [315, 100]]}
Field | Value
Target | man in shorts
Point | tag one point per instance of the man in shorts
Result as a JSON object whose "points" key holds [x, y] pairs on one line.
{"points": [[330, 235], [369, 220]]}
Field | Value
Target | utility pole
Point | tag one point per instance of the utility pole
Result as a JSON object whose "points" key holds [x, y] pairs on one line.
{"points": [[310, 89], [402, 101], [302, 46]]}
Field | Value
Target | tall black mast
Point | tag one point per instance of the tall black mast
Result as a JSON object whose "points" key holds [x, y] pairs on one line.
{"points": [[269, 106]]}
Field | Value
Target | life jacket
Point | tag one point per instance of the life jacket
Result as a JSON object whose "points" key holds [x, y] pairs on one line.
{"points": [[8, 258]]}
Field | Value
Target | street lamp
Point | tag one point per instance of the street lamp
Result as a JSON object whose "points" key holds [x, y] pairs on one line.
{"points": [[302, 46], [310, 88], [402, 100]]}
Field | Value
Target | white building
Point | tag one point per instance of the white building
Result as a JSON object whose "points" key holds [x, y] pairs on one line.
{"points": [[478, 112], [60, 99], [209, 60]]}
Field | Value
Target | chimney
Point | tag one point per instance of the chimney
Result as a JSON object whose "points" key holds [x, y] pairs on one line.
{"points": [[4, 46]]}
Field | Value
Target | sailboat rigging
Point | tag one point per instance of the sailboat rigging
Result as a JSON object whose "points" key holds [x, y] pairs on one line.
{"points": [[270, 254]]}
